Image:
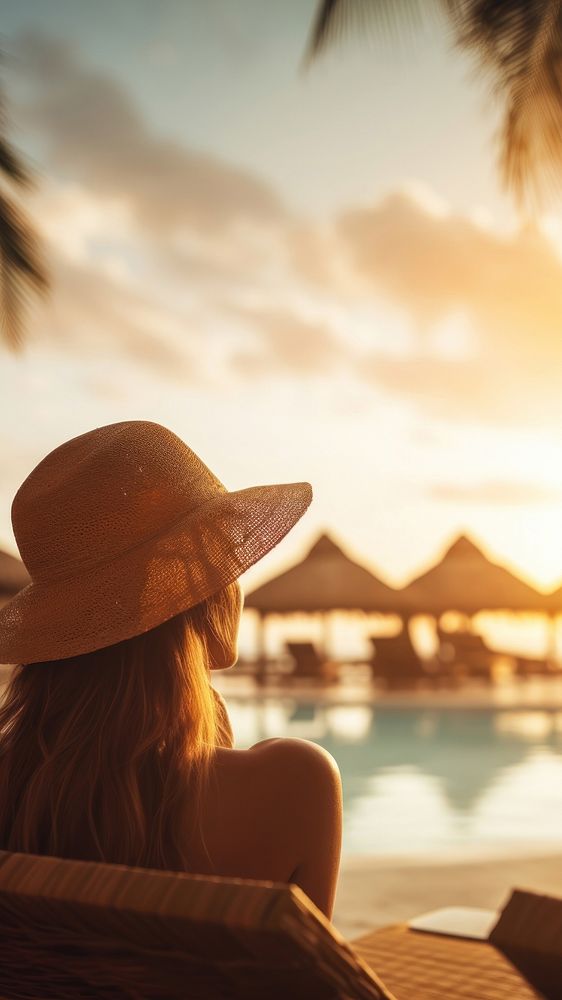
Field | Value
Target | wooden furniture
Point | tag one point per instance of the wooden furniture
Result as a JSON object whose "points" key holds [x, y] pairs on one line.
{"points": [[396, 662], [419, 966], [79, 929], [71, 930], [309, 665], [465, 651], [468, 651]]}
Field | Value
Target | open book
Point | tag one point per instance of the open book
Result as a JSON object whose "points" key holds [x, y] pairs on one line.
{"points": [[528, 931], [457, 921]]}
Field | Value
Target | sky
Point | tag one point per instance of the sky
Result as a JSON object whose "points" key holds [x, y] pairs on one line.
{"points": [[307, 273]]}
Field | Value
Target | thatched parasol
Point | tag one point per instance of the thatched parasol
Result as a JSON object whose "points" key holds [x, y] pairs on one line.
{"points": [[325, 580], [13, 575], [467, 581], [554, 608], [554, 602]]}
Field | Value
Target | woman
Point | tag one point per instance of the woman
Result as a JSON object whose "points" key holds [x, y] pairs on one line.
{"points": [[113, 744]]}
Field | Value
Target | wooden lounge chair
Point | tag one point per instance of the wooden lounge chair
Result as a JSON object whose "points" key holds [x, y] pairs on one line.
{"points": [[467, 651], [308, 664], [396, 662], [79, 929], [535, 666]]}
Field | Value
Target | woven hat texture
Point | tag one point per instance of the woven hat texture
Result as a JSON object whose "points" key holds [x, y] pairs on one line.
{"points": [[124, 527]]}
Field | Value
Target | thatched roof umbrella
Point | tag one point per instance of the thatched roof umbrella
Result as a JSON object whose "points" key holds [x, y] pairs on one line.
{"points": [[554, 606], [554, 602], [325, 580], [13, 575], [465, 580]]}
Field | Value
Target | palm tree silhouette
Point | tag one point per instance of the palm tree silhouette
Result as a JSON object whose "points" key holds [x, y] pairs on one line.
{"points": [[518, 43], [21, 268]]}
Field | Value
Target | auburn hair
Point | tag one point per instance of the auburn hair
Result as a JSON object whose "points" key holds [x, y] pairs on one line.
{"points": [[99, 753]]}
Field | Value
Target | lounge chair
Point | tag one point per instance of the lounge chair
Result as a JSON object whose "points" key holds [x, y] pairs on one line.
{"points": [[465, 651], [308, 664], [80, 929], [468, 650], [396, 662], [535, 666]]}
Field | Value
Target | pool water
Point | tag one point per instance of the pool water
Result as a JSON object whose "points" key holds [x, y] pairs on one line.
{"points": [[429, 782]]}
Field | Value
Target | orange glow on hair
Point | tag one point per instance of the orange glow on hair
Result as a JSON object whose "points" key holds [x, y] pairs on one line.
{"points": [[100, 753]]}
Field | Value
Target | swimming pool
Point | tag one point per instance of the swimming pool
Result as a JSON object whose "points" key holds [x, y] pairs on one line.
{"points": [[429, 782]]}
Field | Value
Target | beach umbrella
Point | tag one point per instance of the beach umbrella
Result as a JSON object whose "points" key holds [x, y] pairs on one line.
{"points": [[554, 607], [13, 575], [554, 602], [467, 581], [326, 580]]}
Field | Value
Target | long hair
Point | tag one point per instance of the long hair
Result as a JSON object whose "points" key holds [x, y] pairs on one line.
{"points": [[100, 753]]}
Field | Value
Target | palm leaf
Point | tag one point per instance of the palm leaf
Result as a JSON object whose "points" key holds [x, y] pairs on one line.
{"points": [[21, 271], [336, 18], [518, 42], [11, 165]]}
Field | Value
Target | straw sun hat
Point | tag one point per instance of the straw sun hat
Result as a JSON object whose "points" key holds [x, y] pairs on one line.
{"points": [[121, 529]]}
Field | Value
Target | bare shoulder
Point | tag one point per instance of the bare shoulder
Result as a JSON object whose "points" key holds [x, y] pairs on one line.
{"points": [[295, 762], [304, 796], [280, 756], [295, 752], [280, 772], [279, 801]]}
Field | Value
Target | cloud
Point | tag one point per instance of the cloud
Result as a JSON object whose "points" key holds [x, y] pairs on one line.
{"points": [[436, 265], [439, 267], [495, 493], [95, 315], [153, 245], [94, 133], [287, 342], [161, 245], [146, 239], [483, 391]]}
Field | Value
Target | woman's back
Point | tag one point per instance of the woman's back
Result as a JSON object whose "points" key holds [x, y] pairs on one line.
{"points": [[272, 812]]}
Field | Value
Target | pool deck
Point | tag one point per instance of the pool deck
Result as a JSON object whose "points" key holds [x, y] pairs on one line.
{"points": [[537, 694], [373, 892]]}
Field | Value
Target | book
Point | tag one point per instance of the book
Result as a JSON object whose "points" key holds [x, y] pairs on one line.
{"points": [[457, 921]]}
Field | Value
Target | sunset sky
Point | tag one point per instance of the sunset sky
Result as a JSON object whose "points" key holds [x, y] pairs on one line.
{"points": [[307, 275]]}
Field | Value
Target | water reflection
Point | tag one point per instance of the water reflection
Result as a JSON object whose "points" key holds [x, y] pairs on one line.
{"points": [[420, 780], [533, 726], [350, 723]]}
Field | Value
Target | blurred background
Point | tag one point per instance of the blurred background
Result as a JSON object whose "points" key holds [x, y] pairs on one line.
{"points": [[326, 254]]}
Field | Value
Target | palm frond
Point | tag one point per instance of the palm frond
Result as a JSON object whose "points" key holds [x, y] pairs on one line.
{"points": [[21, 270], [336, 18], [520, 44], [12, 166]]}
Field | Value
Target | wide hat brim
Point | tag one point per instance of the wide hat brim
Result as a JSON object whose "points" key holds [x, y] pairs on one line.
{"points": [[151, 583]]}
